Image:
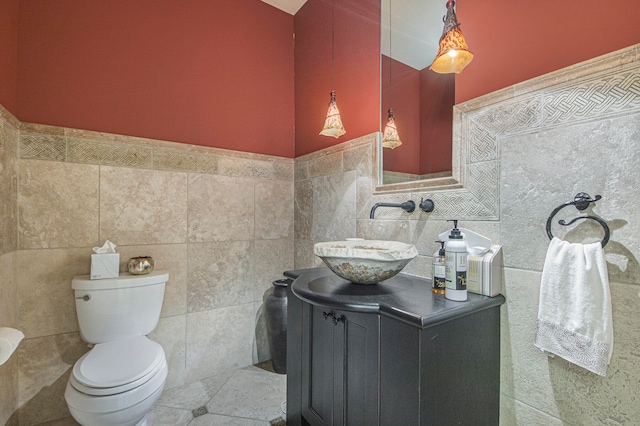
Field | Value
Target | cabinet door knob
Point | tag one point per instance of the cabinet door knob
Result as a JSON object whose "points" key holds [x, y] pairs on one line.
{"points": [[326, 315], [336, 320]]}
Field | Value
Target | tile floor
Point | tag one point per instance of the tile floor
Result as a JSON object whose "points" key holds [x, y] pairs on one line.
{"points": [[250, 396]]}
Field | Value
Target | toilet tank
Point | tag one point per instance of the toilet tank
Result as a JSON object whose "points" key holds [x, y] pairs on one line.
{"points": [[116, 308]]}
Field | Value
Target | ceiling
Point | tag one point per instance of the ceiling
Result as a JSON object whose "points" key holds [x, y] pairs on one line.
{"points": [[289, 6], [417, 27]]}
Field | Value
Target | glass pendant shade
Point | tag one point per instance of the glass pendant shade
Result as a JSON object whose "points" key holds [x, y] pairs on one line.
{"points": [[453, 54], [333, 124], [390, 138]]}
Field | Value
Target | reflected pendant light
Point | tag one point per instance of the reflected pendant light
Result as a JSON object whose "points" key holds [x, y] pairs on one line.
{"points": [[453, 54], [390, 138], [333, 123]]}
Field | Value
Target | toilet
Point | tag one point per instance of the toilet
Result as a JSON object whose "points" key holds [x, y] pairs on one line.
{"points": [[122, 376]]}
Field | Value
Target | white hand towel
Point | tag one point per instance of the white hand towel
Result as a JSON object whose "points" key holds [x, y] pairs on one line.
{"points": [[574, 317]]}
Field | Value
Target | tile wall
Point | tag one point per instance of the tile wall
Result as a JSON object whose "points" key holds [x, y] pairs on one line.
{"points": [[9, 135], [521, 152], [220, 222]]}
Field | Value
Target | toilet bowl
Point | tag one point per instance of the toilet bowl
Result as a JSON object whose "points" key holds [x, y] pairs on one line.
{"points": [[116, 383]]}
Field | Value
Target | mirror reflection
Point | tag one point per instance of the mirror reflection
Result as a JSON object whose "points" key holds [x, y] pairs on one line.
{"points": [[421, 100]]}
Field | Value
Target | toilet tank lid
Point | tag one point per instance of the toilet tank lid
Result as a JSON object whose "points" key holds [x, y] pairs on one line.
{"points": [[125, 280]]}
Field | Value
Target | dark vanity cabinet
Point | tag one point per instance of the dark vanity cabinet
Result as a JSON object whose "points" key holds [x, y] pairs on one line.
{"points": [[389, 354], [338, 347]]}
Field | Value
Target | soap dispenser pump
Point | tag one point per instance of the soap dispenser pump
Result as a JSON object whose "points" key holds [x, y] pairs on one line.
{"points": [[456, 260]]}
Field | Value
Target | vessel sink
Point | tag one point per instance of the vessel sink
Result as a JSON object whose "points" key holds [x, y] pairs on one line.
{"points": [[365, 261]]}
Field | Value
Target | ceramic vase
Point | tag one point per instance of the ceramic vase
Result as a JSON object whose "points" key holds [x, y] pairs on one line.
{"points": [[276, 316]]}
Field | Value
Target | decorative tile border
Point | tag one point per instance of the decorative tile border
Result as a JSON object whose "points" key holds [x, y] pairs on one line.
{"points": [[86, 147], [601, 88]]}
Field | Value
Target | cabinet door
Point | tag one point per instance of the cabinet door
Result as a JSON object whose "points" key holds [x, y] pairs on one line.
{"points": [[340, 353], [317, 365], [356, 374]]}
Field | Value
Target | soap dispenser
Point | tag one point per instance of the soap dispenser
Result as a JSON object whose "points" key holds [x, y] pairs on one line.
{"points": [[456, 270], [439, 271]]}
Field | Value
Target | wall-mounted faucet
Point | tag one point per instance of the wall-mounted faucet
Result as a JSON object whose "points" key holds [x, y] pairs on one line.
{"points": [[409, 206]]}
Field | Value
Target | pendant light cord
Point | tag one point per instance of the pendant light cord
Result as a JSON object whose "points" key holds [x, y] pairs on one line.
{"points": [[332, 45], [390, 59]]}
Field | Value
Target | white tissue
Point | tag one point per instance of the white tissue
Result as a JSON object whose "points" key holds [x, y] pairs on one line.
{"points": [[107, 247], [105, 262], [9, 339]]}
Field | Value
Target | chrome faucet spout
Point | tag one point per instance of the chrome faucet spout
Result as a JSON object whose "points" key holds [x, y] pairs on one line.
{"points": [[408, 206]]}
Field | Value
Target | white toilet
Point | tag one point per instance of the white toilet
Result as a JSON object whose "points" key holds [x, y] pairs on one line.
{"points": [[121, 377]]}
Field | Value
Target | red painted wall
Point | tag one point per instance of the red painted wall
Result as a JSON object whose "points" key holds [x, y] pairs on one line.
{"points": [[357, 70], [9, 54], [513, 41], [206, 72]]}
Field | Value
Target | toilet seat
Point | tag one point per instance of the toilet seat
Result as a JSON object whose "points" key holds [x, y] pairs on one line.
{"points": [[114, 367]]}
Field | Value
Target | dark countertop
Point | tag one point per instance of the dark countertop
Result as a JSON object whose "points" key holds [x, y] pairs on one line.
{"points": [[404, 297]]}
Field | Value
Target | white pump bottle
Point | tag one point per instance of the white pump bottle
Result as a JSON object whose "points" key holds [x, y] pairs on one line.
{"points": [[456, 260]]}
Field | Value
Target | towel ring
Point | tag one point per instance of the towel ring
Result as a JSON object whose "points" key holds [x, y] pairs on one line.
{"points": [[581, 201]]}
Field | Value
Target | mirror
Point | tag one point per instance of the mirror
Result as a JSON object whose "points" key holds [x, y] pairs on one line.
{"points": [[422, 100]]}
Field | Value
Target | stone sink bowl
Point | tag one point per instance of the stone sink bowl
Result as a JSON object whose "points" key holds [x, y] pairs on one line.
{"points": [[365, 261]]}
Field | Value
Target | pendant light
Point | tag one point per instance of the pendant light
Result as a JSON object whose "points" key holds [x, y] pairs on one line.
{"points": [[453, 54], [333, 123], [390, 137]]}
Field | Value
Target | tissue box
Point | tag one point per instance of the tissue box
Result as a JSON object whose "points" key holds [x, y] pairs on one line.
{"points": [[105, 265]]}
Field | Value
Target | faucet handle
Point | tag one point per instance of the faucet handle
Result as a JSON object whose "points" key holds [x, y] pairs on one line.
{"points": [[427, 205]]}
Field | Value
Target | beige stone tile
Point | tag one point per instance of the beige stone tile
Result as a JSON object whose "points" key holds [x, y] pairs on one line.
{"points": [[326, 165], [303, 209], [334, 207], [254, 167], [45, 366], [274, 209], [46, 303], [193, 395], [142, 206], [301, 170], [8, 291], [164, 416], [171, 333], [58, 204], [283, 169], [108, 153], [303, 254], [219, 340], [513, 413], [220, 274], [272, 258], [167, 257], [179, 158], [220, 208], [261, 352], [420, 266], [393, 230], [9, 391], [364, 193], [360, 159], [42, 146], [524, 370], [8, 189]]}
